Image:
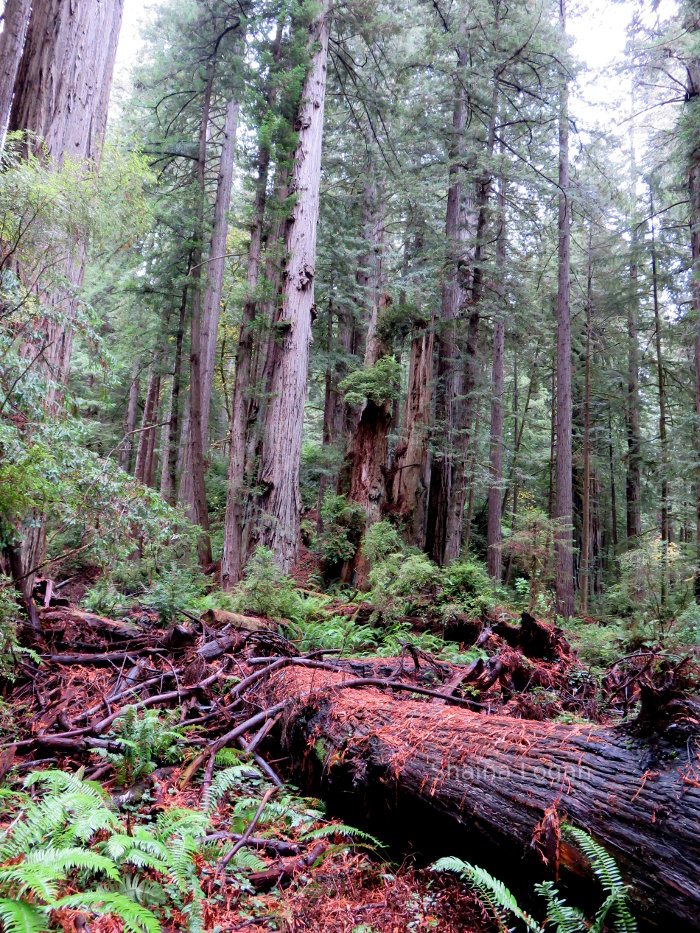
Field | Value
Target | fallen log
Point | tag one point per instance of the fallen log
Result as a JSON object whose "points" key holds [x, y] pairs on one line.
{"points": [[492, 778]]}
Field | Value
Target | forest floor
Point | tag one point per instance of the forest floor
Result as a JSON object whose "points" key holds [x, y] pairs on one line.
{"points": [[207, 740]]}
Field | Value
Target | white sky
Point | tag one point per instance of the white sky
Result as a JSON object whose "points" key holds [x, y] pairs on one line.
{"points": [[597, 27]]}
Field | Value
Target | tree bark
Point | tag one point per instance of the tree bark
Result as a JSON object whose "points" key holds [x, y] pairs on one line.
{"points": [[197, 501], [126, 448], [61, 94], [693, 107], [491, 780], [563, 544], [368, 446], [585, 517], [15, 20], [216, 263], [493, 532], [447, 377], [280, 500], [466, 406], [148, 421], [236, 493], [663, 439], [412, 463]]}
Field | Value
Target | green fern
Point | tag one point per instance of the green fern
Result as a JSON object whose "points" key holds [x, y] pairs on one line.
{"points": [[340, 829], [146, 739], [490, 891], [136, 919], [562, 916], [607, 872], [225, 780], [46, 846], [20, 917]]}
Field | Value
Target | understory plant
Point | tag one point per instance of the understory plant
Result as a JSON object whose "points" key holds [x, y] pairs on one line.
{"points": [[68, 837], [146, 739], [614, 913]]}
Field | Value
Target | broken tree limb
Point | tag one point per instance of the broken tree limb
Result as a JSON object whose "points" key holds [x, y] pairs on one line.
{"points": [[491, 779]]}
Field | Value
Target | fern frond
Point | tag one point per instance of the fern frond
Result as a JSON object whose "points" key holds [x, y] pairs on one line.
{"points": [[490, 891], [20, 917], [136, 919], [340, 829], [566, 919], [228, 778], [607, 872]]}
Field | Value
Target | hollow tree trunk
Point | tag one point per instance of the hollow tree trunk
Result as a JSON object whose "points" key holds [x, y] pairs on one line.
{"points": [[15, 20], [488, 781], [280, 499], [368, 446], [216, 263], [563, 544], [411, 472]]}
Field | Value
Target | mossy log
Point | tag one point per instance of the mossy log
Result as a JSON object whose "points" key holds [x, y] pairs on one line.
{"points": [[501, 785]]}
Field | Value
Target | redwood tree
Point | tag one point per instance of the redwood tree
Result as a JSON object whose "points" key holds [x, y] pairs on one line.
{"points": [[280, 499], [564, 564]]}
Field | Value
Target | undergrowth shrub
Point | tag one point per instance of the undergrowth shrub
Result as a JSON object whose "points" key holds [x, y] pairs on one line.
{"points": [[343, 524], [10, 648], [68, 836], [380, 540], [266, 590], [147, 739]]}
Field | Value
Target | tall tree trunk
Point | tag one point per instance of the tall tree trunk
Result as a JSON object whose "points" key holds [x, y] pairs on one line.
{"points": [[466, 406], [151, 458], [663, 439], [216, 263], [368, 445], [280, 500], [126, 447], [633, 482], [613, 496], [585, 519], [693, 106], [170, 455], [493, 532], [244, 373], [563, 556], [15, 20], [148, 419], [447, 381], [61, 94], [198, 501], [412, 463]]}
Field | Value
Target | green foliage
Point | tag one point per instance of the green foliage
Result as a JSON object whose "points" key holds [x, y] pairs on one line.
{"points": [[343, 524], [380, 540], [69, 834], [10, 648], [379, 383], [397, 580], [266, 591], [563, 917], [147, 738]]}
